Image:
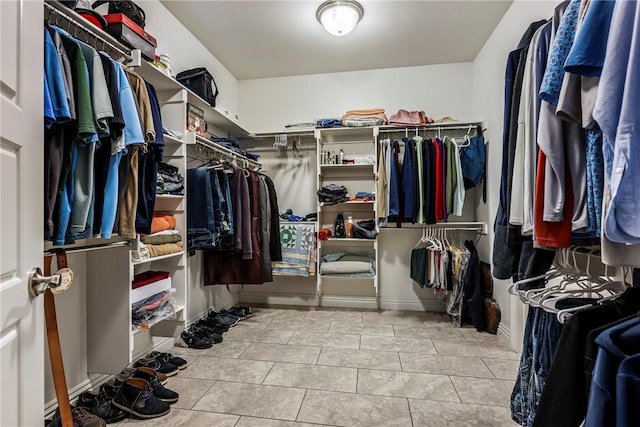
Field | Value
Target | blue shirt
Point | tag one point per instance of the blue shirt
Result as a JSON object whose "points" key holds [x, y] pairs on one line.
{"points": [[49, 114], [553, 76], [55, 80], [616, 112], [589, 47], [132, 128]]}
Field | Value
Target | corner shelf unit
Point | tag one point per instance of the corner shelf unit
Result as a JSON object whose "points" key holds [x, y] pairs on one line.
{"points": [[359, 144]]}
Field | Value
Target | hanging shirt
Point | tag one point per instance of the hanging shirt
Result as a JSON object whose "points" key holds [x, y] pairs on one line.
{"points": [[55, 82], [439, 205], [458, 192], [63, 57], [617, 114], [420, 218], [451, 174], [407, 180], [381, 184], [429, 153], [48, 112]]}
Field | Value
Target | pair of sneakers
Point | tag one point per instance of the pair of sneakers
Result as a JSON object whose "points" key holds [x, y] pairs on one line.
{"points": [[142, 394], [198, 337], [164, 363]]}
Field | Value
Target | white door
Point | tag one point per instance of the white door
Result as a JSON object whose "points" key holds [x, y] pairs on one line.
{"points": [[21, 212]]}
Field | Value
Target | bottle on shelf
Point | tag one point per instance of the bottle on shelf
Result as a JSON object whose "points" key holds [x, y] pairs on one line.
{"points": [[340, 156], [350, 227]]}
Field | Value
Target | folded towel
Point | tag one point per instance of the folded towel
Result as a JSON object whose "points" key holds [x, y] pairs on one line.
{"points": [[160, 240], [165, 249], [364, 112], [162, 222]]}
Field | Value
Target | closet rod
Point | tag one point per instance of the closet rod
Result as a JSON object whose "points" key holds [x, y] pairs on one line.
{"points": [[55, 7], [431, 127], [478, 227], [230, 155], [88, 248]]}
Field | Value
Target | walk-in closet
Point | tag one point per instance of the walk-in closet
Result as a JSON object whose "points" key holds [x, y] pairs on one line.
{"points": [[319, 213]]}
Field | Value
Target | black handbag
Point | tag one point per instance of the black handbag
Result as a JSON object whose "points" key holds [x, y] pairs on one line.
{"points": [[200, 81], [126, 7]]}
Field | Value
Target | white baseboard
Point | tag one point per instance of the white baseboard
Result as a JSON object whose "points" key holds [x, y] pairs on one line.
{"points": [[228, 302], [504, 330], [341, 301], [74, 392]]}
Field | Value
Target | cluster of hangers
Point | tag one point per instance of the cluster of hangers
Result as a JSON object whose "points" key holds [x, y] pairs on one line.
{"points": [[54, 16], [206, 157], [440, 238], [567, 280], [465, 141]]}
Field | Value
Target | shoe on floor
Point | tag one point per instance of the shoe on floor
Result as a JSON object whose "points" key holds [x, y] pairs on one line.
{"points": [[224, 319], [213, 325], [159, 391], [207, 332], [242, 312], [195, 338], [179, 362], [81, 418], [135, 397], [127, 372], [99, 404], [166, 368]]}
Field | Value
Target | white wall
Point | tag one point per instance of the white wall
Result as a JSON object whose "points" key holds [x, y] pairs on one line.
{"points": [[188, 52], [266, 105], [488, 103]]}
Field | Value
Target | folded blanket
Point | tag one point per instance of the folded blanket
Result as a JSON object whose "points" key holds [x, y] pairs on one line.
{"points": [[165, 249], [345, 267], [408, 118], [162, 222], [155, 239], [298, 244], [364, 112], [362, 123]]}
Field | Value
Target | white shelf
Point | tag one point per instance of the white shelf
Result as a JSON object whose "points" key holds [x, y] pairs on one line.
{"points": [[357, 203], [159, 258], [350, 278], [352, 166], [217, 118], [169, 196], [172, 139], [213, 116], [177, 309], [347, 241]]}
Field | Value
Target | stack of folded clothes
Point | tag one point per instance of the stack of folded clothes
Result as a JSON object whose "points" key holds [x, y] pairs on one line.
{"points": [[164, 239], [347, 265], [363, 196], [152, 308], [169, 180], [358, 118], [365, 229], [163, 243], [410, 118], [332, 194]]}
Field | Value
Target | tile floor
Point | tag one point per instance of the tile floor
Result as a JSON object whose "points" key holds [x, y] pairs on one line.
{"points": [[323, 367]]}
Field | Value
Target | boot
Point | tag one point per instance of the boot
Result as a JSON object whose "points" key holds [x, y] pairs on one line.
{"points": [[159, 390], [135, 397]]}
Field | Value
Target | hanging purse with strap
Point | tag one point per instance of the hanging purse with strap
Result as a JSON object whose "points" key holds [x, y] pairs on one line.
{"points": [[126, 7]]}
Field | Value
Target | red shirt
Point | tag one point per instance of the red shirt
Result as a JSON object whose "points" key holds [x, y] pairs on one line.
{"points": [[551, 234]]}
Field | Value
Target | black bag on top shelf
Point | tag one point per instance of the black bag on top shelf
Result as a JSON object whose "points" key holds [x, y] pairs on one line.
{"points": [[200, 81]]}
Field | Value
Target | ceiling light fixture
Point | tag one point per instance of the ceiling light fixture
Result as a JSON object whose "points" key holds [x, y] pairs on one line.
{"points": [[339, 17]]}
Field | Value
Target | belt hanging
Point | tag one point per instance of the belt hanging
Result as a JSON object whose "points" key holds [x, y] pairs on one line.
{"points": [[53, 339]]}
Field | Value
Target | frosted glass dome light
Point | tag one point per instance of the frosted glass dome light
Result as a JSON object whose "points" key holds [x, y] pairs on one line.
{"points": [[339, 17]]}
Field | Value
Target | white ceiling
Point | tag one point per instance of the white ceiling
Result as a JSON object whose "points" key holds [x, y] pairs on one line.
{"points": [[257, 39]]}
